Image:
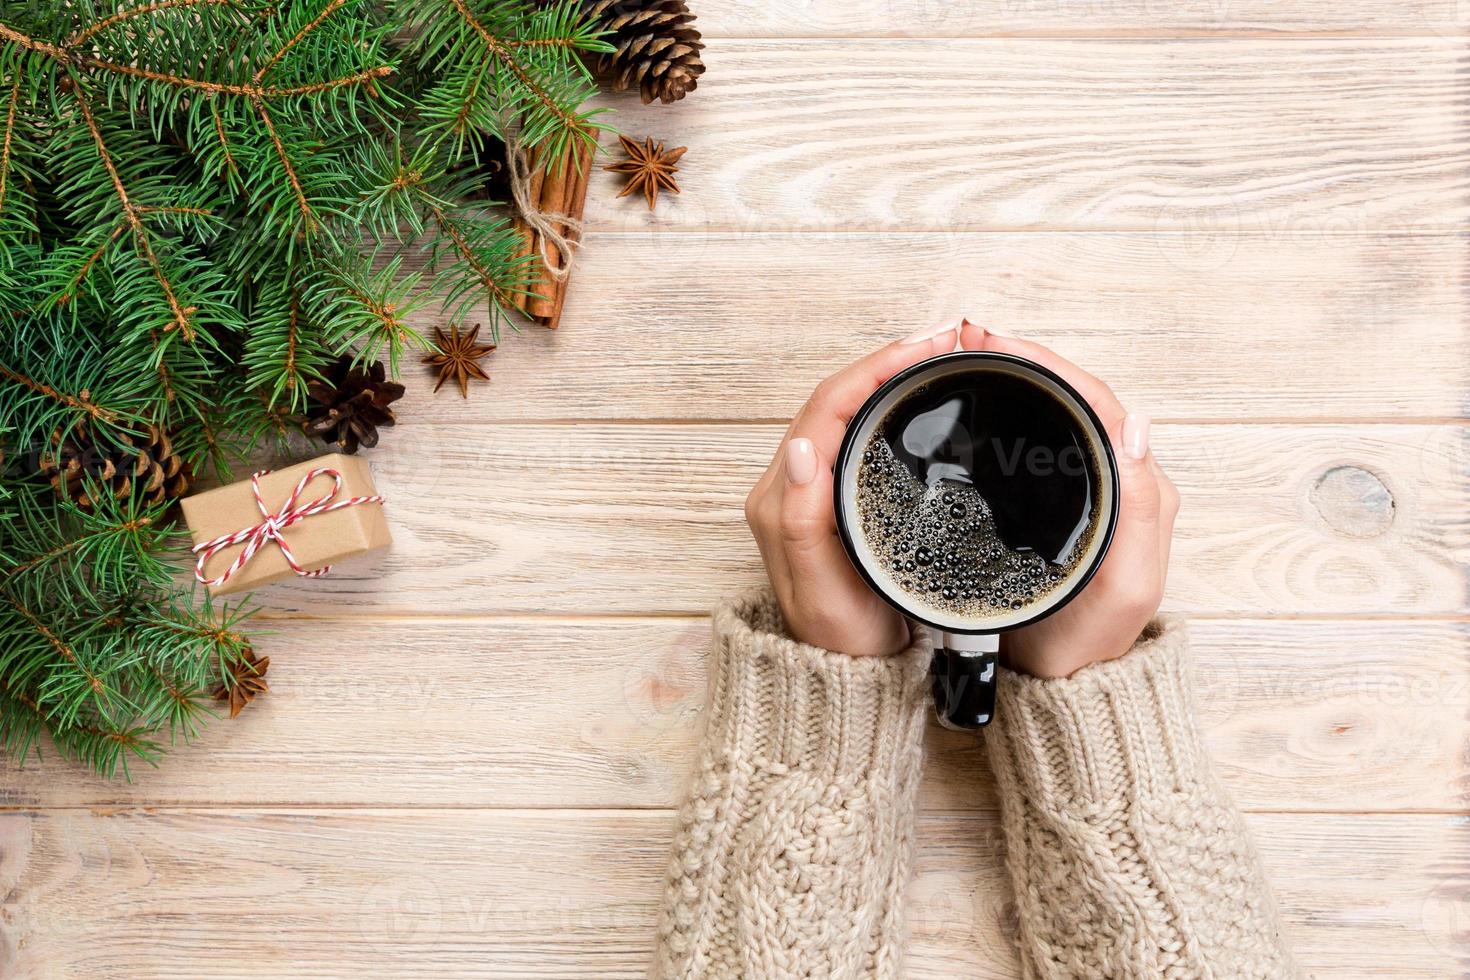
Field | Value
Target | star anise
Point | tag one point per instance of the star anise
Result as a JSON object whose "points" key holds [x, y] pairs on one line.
{"points": [[459, 358], [649, 168], [247, 680]]}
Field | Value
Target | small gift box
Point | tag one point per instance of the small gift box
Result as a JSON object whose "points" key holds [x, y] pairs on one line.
{"points": [[296, 521]]}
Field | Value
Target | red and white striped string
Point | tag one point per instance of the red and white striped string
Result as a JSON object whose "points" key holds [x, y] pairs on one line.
{"points": [[254, 538]]}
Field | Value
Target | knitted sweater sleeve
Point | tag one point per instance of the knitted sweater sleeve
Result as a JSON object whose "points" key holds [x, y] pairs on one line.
{"points": [[792, 851], [1129, 860]]}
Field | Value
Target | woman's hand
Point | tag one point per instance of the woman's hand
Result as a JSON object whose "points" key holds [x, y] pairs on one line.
{"points": [[823, 599], [1105, 620], [826, 603]]}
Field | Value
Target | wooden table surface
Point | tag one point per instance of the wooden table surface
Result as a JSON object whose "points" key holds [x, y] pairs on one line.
{"points": [[1249, 216]]}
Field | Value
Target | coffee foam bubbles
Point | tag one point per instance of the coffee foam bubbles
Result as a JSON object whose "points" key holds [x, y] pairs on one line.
{"points": [[939, 545]]}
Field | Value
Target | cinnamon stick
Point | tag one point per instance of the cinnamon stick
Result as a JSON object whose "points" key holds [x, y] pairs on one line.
{"points": [[528, 237], [552, 200], [533, 244], [581, 164], [557, 187], [538, 173], [528, 245]]}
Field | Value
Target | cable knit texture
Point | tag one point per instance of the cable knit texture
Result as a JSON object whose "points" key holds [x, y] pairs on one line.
{"points": [[1128, 858], [793, 849], [1129, 861]]}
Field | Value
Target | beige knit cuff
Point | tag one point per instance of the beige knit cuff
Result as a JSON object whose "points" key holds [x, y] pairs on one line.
{"points": [[1116, 731], [783, 705]]}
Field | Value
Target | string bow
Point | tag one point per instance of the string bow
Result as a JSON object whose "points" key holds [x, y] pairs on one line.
{"points": [[271, 528]]}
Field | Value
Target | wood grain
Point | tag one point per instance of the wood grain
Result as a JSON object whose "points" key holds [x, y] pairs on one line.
{"points": [[245, 893], [1325, 715], [989, 18], [742, 326], [1210, 137], [593, 519]]}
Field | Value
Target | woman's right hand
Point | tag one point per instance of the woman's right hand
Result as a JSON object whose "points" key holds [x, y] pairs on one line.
{"points": [[1105, 620]]}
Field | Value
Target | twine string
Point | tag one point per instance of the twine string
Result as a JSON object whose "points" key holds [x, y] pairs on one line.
{"points": [[553, 228]]}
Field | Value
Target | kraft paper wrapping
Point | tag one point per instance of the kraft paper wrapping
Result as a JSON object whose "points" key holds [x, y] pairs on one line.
{"points": [[321, 539]]}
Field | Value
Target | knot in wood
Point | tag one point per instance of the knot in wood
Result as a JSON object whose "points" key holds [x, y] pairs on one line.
{"points": [[1353, 501]]}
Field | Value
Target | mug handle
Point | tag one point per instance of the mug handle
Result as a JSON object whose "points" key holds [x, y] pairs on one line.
{"points": [[964, 669]]}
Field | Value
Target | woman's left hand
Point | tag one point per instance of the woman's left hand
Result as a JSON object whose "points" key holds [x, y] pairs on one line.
{"points": [[823, 599]]}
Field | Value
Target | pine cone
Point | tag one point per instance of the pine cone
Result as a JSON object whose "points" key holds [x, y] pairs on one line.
{"points": [[349, 404], [141, 461], [657, 46]]}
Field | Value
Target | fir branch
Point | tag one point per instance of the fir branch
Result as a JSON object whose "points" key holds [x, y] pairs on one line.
{"points": [[165, 209], [364, 77], [224, 88], [130, 214], [503, 55], [19, 734], [107, 548], [559, 43], [60, 646], [463, 119], [359, 308], [285, 159], [102, 747], [181, 702], [284, 351], [78, 280], [13, 102], [534, 90], [389, 323], [332, 7], [193, 193], [293, 346], [91, 260], [85, 542], [82, 403], [26, 701], [201, 641], [85, 34], [219, 635], [68, 56], [502, 295], [14, 36], [224, 143]]}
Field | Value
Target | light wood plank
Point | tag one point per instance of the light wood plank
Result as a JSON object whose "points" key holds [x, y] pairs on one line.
{"points": [[505, 894], [1279, 519], [989, 18], [718, 326], [1291, 137], [1300, 715], [1271, 199]]}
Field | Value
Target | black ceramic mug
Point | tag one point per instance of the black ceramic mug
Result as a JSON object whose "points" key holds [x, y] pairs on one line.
{"points": [[976, 493]]}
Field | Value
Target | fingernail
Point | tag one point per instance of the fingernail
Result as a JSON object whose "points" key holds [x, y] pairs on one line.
{"points": [[929, 333], [1000, 333], [801, 462], [1135, 435]]}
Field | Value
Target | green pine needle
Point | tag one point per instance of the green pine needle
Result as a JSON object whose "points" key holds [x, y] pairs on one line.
{"points": [[202, 204]]}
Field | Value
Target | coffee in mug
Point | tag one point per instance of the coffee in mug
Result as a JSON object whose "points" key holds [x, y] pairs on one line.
{"points": [[976, 492]]}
